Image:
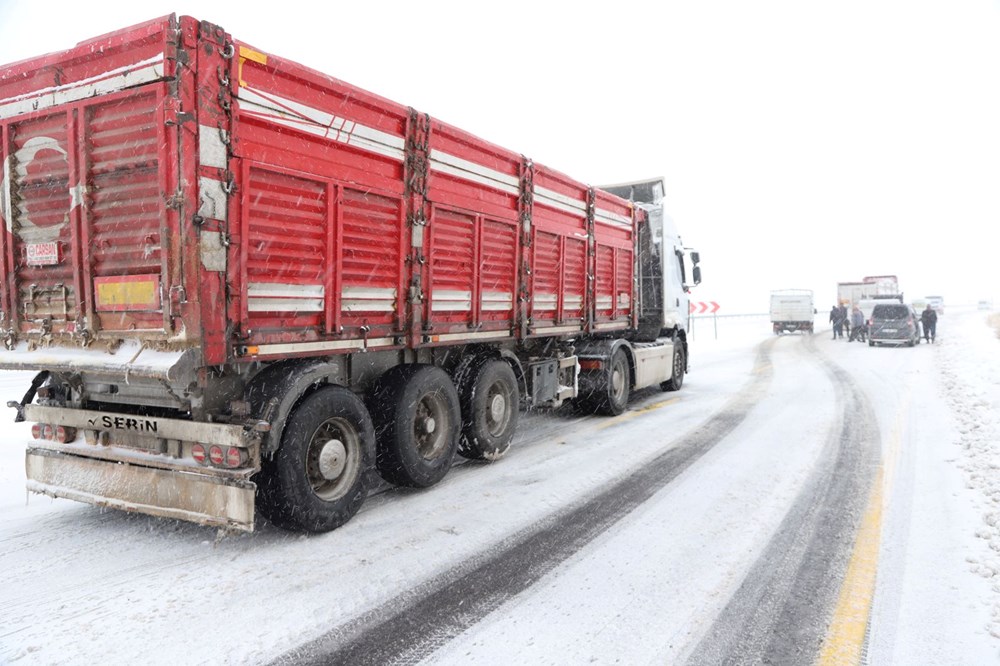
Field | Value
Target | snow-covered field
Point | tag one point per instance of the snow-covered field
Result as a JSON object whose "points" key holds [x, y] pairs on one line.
{"points": [[84, 585]]}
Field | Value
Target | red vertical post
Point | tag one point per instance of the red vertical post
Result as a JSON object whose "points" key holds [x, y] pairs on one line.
{"points": [[6, 238], [635, 299], [330, 267], [526, 206], [207, 86], [590, 309], [78, 232], [415, 174], [477, 263]]}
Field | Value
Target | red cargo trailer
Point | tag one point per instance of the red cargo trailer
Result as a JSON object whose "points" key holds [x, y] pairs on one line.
{"points": [[240, 278]]}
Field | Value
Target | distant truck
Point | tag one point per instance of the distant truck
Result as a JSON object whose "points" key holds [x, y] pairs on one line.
{"points": [[866, 294], [870, 287], [850, 293], [248, 287], [882, 285], [792, 310]]}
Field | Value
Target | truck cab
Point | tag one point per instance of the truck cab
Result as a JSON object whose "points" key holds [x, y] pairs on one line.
{"points": [[667, 269]]}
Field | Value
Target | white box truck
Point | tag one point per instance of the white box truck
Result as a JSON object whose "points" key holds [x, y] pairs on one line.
{"points": [[792, 310]]}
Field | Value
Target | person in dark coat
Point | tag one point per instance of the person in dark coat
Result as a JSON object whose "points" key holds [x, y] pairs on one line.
{"points": [[858, 331], [928, 319], [837, 319]]}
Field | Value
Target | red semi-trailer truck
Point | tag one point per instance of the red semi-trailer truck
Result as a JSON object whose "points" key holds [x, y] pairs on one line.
{"points": [[246, 285]]}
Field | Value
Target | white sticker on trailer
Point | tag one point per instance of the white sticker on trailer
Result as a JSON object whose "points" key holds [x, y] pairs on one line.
{"points": [[43, 254]]}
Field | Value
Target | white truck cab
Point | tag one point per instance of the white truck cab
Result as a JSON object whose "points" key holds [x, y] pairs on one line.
{"points": [[668, 269]]}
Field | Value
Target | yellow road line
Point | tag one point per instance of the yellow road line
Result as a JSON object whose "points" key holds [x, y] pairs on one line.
{"points": [[846, 634], [621, 418]]}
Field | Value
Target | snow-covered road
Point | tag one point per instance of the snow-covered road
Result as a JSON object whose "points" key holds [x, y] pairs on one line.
{"points": [[595, 540]]}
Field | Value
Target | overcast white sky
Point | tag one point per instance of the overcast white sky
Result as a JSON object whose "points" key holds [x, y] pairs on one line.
{"points": [[803, 143]]}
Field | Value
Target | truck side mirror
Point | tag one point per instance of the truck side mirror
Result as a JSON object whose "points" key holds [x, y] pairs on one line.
{"points": [[695, 258], [696, 274]]}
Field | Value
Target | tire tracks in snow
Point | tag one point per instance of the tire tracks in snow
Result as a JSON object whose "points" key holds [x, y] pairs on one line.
{"points": [[412, 626], [780, 613]]}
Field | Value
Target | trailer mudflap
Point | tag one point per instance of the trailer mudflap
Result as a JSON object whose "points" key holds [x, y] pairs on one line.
{"points": [[189, 496]]}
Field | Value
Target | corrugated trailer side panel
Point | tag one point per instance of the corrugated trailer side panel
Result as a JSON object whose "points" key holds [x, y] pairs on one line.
{"points": [[614, 263], [473, 192], [125, 219], [322, 235], [558, 255], [38, 180]]}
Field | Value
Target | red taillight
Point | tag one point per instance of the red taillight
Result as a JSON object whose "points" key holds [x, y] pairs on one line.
{"points": [[215, 455], [234, 457], [64, 434], [198, 453], [590, 364], [36, 430]]}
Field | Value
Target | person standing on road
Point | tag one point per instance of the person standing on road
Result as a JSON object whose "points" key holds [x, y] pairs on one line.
{"points": [[928, 318], [857, 325], [838, 322]]}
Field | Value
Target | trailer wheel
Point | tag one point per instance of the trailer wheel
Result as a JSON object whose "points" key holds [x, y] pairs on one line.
{"points": [[417, 424], [679, 364], [318, 478], [490, 410], [609, 392]]}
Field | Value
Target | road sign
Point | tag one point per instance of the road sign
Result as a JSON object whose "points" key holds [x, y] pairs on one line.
{"points": [[701, 307]]}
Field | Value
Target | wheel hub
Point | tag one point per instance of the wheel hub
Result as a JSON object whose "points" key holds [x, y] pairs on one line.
{"points": [[617, 381], [498, 407], [427, 425], [332, 459]]}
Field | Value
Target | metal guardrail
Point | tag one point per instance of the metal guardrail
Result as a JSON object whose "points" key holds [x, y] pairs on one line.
{"points": [[730, 316], [699, 323]]}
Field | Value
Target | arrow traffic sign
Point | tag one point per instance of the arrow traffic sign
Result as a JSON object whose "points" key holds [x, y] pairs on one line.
{"points": [[702, 307]]}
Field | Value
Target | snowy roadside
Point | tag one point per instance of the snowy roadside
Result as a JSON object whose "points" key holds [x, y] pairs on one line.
{"points": [[970, 383]]}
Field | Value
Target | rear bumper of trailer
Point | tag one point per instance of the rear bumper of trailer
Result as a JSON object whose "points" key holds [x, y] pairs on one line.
{"points": [[166, 493]]}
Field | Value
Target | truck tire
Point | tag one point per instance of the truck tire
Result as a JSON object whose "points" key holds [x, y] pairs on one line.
{"points": [[678, 368], [417, 423], [609, 393], [318, 478], [490, 410]]}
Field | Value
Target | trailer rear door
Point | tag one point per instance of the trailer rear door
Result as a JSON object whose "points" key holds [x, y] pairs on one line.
{"points": [[85, 191]]}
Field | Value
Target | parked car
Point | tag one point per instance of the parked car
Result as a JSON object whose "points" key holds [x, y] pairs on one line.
{"points": [[894, 324]]}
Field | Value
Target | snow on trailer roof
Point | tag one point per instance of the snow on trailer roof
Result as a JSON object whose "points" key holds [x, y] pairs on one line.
{"points": [[130, 359]]}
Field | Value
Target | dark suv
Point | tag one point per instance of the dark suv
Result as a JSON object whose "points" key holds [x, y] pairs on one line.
{"points": [[894, 324]]}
